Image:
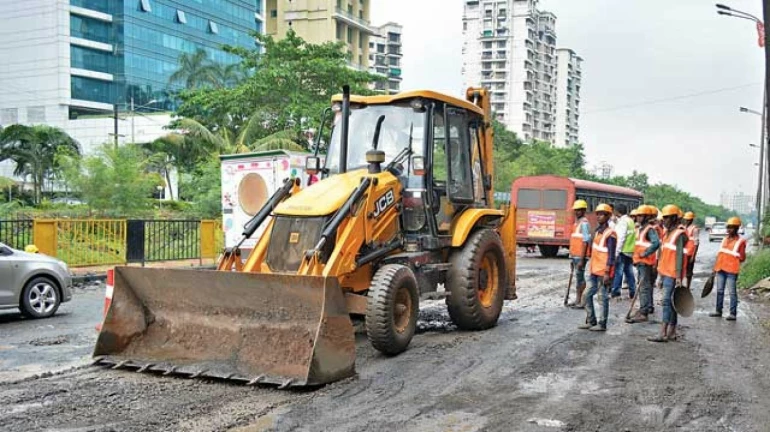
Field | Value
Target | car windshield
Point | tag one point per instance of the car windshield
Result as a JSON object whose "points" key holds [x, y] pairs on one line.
{"points": [[720, 226], [400, 121]]}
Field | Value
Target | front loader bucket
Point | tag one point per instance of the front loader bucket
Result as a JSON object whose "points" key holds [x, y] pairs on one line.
{"points": [[255, 328]]}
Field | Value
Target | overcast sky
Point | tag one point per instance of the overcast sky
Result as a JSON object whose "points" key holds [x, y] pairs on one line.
{"points": [[643, 61]]}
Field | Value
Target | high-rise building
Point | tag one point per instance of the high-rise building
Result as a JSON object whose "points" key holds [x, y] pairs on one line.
{"points": [[568, 82], [319, 21], [509, 47], [66, 58], [385, 57], [738, 202]]}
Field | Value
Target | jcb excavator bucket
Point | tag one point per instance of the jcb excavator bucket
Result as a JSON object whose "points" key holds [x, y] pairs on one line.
{"points": [[255, 328]]}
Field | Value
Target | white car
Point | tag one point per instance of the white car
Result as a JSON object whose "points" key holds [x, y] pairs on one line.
{"points": [[718, 231]]}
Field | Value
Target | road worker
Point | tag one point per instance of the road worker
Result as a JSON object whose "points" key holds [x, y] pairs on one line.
{"points": [[645, 260], [580, 249], [635, 217], [693, 233], [602, 270], [731, 254], [624, 265], [671, 268]]}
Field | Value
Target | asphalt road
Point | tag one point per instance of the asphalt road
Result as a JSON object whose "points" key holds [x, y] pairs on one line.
{"points": [[535, 371]]}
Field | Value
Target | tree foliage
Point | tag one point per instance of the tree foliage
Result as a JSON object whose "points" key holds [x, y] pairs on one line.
{"points": [[33, 149], [114, 179], [292, 83]]}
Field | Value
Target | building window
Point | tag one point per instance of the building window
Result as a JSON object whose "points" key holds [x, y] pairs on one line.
{"points": [[465, 26], [360, 59], [180, 17], [213, 27], [9, 116], [145, 6], [361, 42], [273, 13], [339, 31], [394, 37], [350, 35], [91, 29]]}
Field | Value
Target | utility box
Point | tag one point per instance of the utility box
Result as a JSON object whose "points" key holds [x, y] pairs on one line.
{"points": [[248, 181]]}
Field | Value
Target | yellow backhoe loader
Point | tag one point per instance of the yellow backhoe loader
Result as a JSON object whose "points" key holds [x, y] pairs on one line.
{"points": [[404, 205]]}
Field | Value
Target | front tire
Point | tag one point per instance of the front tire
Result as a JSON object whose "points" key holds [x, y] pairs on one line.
{"points": [[477, 282], [392, 309], [40, 298]]}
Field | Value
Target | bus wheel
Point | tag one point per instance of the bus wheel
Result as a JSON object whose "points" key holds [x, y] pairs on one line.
{"points": [[548, 251]]}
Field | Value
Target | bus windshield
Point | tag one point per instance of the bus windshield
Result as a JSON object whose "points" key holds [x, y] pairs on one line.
{"points": [[400, 121]]}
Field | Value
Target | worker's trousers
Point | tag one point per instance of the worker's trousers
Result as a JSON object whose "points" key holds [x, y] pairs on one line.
{"points": [[597, 286], [646, 285], [669, 314]]}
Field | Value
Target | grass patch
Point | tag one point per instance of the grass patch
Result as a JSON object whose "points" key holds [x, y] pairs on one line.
{"points": [[756, 268]]}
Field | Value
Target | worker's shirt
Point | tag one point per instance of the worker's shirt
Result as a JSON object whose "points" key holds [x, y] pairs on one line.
{"points": [[654, 239], [626, 235]]}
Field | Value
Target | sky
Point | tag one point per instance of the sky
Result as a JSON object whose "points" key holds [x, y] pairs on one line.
{"points": [[663, 82]]}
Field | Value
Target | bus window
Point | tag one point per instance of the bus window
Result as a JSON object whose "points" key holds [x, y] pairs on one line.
{"points": [[554, 199], [528, 199]]}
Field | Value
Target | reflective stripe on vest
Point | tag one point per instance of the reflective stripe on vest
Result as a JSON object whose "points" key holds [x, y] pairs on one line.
{"points": [[641, 247], [729, 259], [600, 254], [667, 263], [576, 240]]}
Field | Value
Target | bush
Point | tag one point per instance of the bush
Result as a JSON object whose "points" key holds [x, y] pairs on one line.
{"points": [[756, 268]]}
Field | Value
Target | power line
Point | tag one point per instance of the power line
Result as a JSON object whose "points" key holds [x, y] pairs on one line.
{"points": [[671, 99]]}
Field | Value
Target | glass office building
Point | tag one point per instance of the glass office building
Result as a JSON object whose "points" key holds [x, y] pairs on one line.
{"points": [[124, 49]]}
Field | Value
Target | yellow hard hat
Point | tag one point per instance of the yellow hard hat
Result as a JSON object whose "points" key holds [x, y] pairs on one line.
{"points": [[671, 210], [689, 215], [603, 208], [634, 212], [734, 221], [648, 210], [31, 249], [580, 205]]}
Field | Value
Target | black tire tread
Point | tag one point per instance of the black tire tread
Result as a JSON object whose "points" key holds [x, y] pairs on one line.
{"points": [[379, 325], [463, 304]]}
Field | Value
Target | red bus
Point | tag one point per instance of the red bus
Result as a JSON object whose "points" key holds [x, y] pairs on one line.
{"points": [[544, 216]]}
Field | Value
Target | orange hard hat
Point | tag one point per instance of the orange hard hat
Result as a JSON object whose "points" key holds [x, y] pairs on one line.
{"points": [[603, 208], [734, 221], [689, 215], [671, 210]]}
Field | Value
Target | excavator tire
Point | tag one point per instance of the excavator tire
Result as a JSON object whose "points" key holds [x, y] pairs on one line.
{"points": [[393, 305], [476, 282]]}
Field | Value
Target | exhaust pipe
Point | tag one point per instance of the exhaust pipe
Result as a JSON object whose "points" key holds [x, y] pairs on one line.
{"points": [[345, 128]]}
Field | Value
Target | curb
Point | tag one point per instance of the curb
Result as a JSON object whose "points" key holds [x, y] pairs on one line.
{"points": [[102, 276]]}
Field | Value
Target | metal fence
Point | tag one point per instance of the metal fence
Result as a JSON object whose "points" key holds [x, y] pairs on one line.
{"points": [[163, 240], [91, 242], [16, 233]]}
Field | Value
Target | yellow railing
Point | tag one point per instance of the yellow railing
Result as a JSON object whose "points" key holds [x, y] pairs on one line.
{"points": [[93, 242]]}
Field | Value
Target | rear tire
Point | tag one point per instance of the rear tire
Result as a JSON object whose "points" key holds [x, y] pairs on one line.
{"points": [[548, 251], [40, 298], [477, 282], [392, 309]]}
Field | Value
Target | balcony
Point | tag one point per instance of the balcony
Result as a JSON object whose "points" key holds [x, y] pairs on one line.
{"points": [[353, 21]]}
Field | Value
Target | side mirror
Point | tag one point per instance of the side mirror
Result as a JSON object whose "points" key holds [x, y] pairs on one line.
{"points": [[312, 165], [418, 165], [5, 251]]}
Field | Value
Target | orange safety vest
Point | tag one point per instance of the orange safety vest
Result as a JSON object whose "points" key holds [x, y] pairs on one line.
{"points": [[600, 253], [667, 262], [642, 244], [729, 255], [690, 230], [576, 240]]}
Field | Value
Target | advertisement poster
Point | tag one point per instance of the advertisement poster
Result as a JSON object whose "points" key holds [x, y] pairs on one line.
{"points": [[541, 224]]}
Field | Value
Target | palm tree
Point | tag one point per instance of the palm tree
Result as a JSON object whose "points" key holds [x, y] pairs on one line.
{"points": [[223, 75], [34, 150], [195, 70]]}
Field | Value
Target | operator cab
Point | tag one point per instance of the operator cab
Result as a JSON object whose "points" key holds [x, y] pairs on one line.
{"points": [[443, 173]]}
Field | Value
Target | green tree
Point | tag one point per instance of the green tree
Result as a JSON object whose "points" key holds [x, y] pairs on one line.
{"points": [[114, 179], [203, 188], [293, 81], [222, 75], [195, 70], [33, 149]]}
